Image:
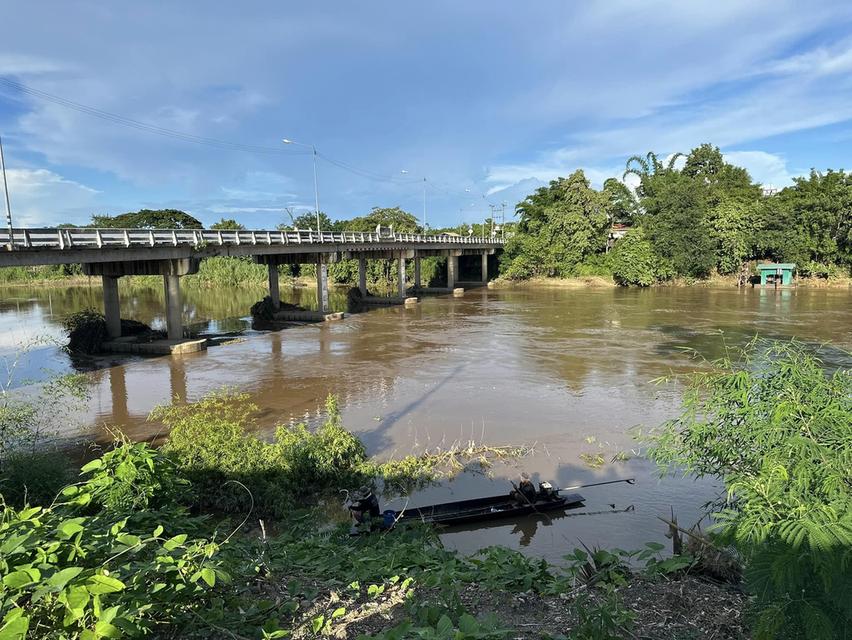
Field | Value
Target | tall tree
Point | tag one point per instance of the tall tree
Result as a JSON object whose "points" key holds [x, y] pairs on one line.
{"points": [[229, 223], [560, 226], [148, 219]]}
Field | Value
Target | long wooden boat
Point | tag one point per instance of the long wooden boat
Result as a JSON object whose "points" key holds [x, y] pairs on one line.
{"points": [[483, 509]]}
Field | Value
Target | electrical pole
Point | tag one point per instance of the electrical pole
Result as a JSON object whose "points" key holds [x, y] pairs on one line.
{"points": [[6, 193], [425, 224]]}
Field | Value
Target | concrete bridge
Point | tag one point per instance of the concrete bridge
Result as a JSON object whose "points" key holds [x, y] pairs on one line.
{"points": [[172, 253]]}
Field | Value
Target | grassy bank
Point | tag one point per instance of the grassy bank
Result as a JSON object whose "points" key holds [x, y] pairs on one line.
{"points": [[712, 281], [155, 543]]}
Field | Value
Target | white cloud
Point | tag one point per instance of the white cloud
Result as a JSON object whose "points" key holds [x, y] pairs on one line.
{"points": [[43, 198], [765, 168]]}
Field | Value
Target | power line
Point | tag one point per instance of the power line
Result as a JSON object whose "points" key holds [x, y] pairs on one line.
{"points": [[215, 142], [144, 126]]}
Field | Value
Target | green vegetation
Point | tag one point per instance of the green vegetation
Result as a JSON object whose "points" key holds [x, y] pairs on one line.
{"points": [[213, 443], [560, 226], [147, 219], [777, 430], [693, 216], [220, 533]]}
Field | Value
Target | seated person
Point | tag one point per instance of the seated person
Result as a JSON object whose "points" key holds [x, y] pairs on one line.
{"points": [[365, 505], [525, 492]]}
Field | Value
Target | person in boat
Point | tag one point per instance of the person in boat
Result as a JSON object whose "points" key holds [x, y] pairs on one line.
{"points": [[525, 492], [364, 505]]}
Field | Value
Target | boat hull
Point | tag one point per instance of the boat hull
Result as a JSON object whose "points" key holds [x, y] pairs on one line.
{"points": [[485, 509]]}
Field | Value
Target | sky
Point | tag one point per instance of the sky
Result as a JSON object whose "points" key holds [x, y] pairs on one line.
{"points": [[485, 100]]}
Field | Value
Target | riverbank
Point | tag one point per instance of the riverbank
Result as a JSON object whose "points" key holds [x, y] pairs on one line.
{"points": [[600, 282]]}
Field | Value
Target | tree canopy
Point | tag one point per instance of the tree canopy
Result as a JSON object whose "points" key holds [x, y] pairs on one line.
{"points": [[698, 214], [147, 219]]}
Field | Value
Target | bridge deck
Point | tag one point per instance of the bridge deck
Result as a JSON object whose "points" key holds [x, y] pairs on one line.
{"points": [[61, 245]]}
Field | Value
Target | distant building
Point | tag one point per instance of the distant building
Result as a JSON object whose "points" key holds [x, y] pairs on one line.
{"points": [[774, 275], [769, 191]]}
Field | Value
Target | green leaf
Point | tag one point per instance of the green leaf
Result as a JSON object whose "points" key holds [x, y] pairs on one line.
{"points": [[444, 628], [158, 531], [94, 465], [106, 630], [173, 543], [316, 623], [60, 579], [209, 576], [17, 579], [104, 584], [340, 611], [15, 625], [468, 624]]}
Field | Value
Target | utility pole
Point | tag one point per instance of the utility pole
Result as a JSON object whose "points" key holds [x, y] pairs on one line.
{"points": [[6, 193], [425, 224], [503, 222]]}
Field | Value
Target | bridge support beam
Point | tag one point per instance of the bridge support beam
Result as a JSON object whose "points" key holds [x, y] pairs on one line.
{"points": [[362, 275], [417, 272], [484, 268], [174, 307], [274, 291], [112, 309], [400, 275], [452, 271], [322, 286]]}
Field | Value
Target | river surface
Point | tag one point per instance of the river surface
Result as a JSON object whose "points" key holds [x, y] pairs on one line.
{"points": [[568, 371]]}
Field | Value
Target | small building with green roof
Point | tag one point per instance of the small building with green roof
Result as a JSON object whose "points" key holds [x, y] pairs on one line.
{"points": [[772, 274]]}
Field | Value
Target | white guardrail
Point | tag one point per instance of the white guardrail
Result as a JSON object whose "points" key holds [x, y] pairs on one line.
{"points": [[69, 238]]}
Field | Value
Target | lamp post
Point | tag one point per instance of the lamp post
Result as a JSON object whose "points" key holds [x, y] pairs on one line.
{"points": [[316, 188], [6, 194]]}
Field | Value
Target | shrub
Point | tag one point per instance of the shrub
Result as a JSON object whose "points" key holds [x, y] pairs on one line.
{"points": [[211, 443], [634, 261], [87, 331], [777, 429], [74, 570]]}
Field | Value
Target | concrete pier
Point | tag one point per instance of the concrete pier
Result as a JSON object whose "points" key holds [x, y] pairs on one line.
{"points": [[484, 267], [416, 272], [362, 276], [112, 309], [274, 291], [174, 308], [452, 271], [322, 286], [400, 275]]}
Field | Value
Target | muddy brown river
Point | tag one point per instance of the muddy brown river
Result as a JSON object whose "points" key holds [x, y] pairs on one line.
{"points": [[568, 371]]}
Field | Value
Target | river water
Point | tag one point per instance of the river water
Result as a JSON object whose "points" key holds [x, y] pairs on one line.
{"points": [[568, 371]]}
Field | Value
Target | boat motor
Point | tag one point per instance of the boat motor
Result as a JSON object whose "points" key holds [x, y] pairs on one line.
{"points": [[547, 491]]}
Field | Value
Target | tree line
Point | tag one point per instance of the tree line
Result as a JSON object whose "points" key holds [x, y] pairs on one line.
{"points": [[690, 216]]}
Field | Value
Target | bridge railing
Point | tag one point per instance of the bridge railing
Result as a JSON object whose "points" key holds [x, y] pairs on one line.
{"points": [[69, 238]]}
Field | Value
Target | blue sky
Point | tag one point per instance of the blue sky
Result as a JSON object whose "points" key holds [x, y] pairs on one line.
{"points": [[487, 100]]}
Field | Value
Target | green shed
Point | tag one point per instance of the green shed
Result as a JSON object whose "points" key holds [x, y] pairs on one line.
{"points": [[776, 274]]}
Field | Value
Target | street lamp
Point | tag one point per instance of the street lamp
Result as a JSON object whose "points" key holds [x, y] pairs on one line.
{"points": [[316, 188], [6, 195]]}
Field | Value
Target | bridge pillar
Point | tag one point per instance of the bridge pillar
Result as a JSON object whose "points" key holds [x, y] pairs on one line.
{"points": [[417, 272], [174, 308], [484, 267], [112, 310], [362, 275], [452, 271], [274, 292], [322, 286], [400, 275]]}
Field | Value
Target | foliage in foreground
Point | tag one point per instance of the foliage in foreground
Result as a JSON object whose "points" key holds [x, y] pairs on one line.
{"points": [[110, 558], [778, 431]]}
